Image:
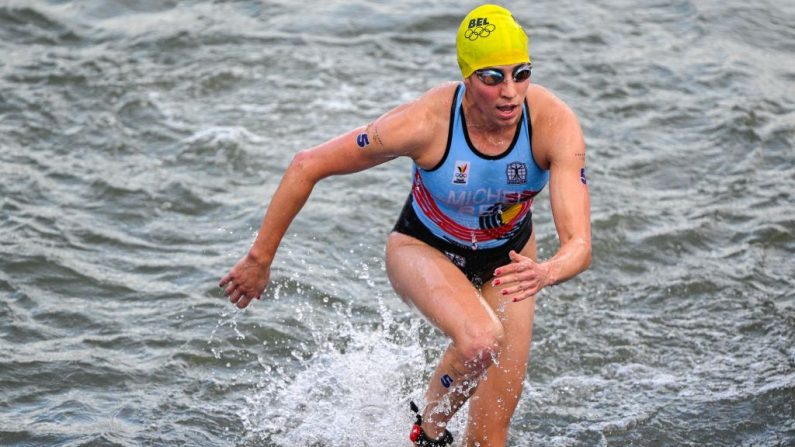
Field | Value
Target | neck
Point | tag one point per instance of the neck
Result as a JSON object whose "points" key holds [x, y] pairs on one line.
{"points": [[478, 121], [488, 136], [481, 119]]}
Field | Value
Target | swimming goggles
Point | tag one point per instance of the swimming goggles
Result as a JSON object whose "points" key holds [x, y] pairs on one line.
{"points": [[494, 76]]}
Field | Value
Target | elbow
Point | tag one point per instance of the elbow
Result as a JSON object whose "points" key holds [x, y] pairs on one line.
{"points": [[585, 256], [302, 166], [588, 258], [301, 160]]}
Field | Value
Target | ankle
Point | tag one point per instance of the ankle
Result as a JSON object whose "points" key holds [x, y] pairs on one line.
{"points": [[433, 430], [423, 439], [431, 438]]}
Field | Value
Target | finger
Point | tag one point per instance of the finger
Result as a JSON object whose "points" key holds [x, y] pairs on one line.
{"points": [[518, 263], [528, 293], [523, 287], [230, 289], [517, 258], [512, 290], [235, 297], [521, 297], [225, 280], [514, 256], [516, 277], [505, 280], [525, 295], [244, 301], [506, 269]]}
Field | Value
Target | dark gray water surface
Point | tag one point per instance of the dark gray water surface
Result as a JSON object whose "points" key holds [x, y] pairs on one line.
{"points": [[140, 142]]}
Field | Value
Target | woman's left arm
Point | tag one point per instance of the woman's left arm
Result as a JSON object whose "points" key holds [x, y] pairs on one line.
{"points": [[560, 145]]}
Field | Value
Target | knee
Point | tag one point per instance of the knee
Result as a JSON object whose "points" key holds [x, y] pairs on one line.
{"points": [[480, 344]]}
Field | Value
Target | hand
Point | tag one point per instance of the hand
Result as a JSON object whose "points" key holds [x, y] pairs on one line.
{"points": [[522, 278], [246, 281]]}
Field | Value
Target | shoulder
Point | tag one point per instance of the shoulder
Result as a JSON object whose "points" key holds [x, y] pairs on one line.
{"points": [[546, 105], [556, 128], [435, 104], [411, 128]]}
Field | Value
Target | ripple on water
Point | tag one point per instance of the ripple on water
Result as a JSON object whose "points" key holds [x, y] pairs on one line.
{"points": [[32, 26], [139, 140]]}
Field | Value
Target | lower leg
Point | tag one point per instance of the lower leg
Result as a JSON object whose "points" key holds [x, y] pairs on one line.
{"points": [[451, 385], [498, 393], [490, 411]]}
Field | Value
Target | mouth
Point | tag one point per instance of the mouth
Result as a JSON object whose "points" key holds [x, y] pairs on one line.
{"points": [[507, 110]]}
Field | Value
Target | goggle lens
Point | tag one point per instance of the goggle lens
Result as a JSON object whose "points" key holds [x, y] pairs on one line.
{"points": [[521, 73]]}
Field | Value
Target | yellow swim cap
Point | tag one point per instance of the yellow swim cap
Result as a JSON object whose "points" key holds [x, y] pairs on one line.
{"points": [[490, 36]]}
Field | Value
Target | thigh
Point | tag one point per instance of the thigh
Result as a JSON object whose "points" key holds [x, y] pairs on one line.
{"points": [[495, 400], [427, 279]]}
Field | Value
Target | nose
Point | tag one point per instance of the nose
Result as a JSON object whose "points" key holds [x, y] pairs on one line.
{"points": [[508, 88]]}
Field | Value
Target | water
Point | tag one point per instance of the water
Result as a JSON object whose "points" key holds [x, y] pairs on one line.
{"points": [[140, 140]]}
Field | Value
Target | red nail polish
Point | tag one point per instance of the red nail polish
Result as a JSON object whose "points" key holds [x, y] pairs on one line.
{"points": [[504, 292], [496, 272], [496, 282]]}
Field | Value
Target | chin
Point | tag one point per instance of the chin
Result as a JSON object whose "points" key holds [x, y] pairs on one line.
{"points": [[509, 120]]}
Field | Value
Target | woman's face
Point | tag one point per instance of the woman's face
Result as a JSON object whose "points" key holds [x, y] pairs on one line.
{"points": [[499, 104]]}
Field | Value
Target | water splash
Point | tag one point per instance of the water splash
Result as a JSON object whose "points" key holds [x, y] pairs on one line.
{"points": [[350, 395]]}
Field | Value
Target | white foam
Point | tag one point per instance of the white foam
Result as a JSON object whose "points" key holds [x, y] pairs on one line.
{"points": [[224, 134], [349, 395]]}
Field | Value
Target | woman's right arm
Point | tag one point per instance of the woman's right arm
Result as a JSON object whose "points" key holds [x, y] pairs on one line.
{"points": [[406, 130]]}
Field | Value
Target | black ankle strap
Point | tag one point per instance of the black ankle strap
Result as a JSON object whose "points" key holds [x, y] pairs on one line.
{"points": [[418, 436]]}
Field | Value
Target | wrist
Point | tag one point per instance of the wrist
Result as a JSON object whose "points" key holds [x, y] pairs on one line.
{"points": [[550, 277], [261, 257]]}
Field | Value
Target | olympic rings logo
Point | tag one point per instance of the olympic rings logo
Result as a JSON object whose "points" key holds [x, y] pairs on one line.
{"points": [[480, 31]]}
